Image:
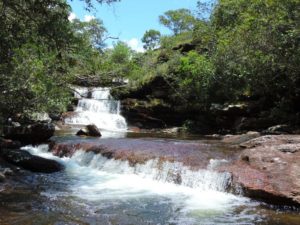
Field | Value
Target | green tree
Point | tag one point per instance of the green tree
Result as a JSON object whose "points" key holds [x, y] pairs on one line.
{"points": [[93, 32], [151, 39], [90, 3], [195, 78], [35, 42], [88, 50], [121, 53], [39, 50], [178, 21], [258, 48]]}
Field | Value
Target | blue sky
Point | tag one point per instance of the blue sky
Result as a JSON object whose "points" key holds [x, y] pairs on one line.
{"points": [[129, 19]]}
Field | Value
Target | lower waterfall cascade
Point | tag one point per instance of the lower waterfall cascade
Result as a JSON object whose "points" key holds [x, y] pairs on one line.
{"points": [[96, 179]]}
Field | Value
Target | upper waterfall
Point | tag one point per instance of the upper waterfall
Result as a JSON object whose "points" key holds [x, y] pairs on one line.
{"points": [[97, 106]]}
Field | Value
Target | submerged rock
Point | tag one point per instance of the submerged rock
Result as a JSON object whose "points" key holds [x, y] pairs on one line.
{"points": [[269, 169], [90, 130], [30, 162], [31, 133]]}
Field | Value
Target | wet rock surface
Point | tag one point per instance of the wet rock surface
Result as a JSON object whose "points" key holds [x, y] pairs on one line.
{"points": [[90, 130], [269, 169], [195, 154], [279, 129], [239, 139], [29, 133], [263, 167], [30, 162], [9, 144]]}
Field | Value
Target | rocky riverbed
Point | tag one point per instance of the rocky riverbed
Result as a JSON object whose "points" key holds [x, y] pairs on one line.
{"points": [[268, 168], [263, 167], [175, 180]]}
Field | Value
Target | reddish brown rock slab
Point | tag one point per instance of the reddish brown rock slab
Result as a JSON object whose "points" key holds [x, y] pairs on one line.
{"points": [[195, 154], [269, 169]]}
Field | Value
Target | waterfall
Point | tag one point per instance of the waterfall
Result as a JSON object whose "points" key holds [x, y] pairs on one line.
{"points": [[192, 196], [96, 106], [161, 171]]}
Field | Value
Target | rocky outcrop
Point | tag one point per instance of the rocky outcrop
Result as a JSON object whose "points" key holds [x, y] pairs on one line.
{"points": [[30, 162], [29, 133], [89, 130], [185, 47], [146, 107], [269, 169]]}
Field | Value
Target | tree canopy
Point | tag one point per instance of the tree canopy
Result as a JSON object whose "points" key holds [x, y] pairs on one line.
{"points": [[244, 49], [151, 39], [39, 51], [178, 21]]}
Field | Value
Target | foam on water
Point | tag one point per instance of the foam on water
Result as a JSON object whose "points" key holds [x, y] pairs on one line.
{"points": [[95, 178]]}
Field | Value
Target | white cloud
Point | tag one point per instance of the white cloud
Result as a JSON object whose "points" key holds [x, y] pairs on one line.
{"points": [[72, 16], [88, 18], [135, 45]]}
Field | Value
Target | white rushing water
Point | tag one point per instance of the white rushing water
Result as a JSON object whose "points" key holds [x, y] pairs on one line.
{"points": [[96, 179], [96, 106]]}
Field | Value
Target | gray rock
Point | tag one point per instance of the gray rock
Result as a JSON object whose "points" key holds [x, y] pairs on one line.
{"points": [[30, 162], [279, 129], [8, 172], [40, 117], [30, 133], [90, 130], [2, 177]]}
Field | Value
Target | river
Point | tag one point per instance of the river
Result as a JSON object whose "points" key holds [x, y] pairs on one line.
{"points": [[94, 189]]}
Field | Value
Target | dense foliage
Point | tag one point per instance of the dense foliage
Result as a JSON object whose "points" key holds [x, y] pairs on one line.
{"points": [[151, 39], [35, 39], [40, 53], [178, 21], [244, 51], [234, 51]]}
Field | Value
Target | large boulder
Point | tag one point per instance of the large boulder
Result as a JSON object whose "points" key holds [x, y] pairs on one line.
{"points": [[30, 162], [29, 134], [269, 169], [90, 130]]}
